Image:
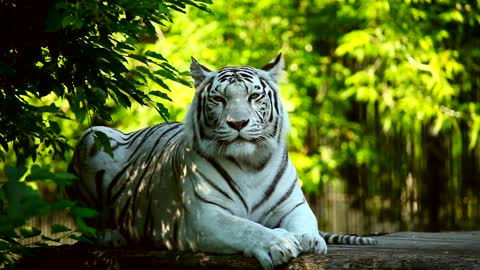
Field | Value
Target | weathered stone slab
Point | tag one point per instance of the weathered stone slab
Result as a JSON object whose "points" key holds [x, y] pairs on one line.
{"points": [[403, 250]]}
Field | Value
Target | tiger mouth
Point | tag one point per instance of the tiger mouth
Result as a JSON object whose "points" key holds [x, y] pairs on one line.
{"points": [[241, 140], [238, 139]]}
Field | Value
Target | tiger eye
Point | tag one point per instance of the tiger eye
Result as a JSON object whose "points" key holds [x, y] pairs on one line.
{"points": [[254, 96], [218, 99]]}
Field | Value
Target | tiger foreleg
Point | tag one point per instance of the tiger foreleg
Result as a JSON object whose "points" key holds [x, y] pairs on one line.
{"points": [[301, 222], [271, 247]]}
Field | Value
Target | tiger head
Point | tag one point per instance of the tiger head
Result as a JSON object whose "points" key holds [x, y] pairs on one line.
{"points": [[237, 112]]}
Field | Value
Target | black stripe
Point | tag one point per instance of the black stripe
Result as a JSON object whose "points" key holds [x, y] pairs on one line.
{"points": [[346, 239], [126, 181], [279, 224], [134, 136], [275, 102], [149, 181], [261, 165], [114, 182], [92, 151], [119, 192], [199, 101], [271, 108], [144, 139], [174, 136], [147, 226], [99, 190], [211, 183], [259, 115], [150, 159], [80, 192], [275, 96], [282, 199], [175, 232], [276, 129], [200, 105], [210, 202], [122, 222], [234, 161], [229, 180], [268, 193], [279, 130]]}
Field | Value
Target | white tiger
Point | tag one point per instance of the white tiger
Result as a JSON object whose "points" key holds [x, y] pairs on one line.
{"points": [[221, 182]]}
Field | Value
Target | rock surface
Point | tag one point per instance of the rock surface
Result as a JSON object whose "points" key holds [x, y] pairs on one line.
{"points": [[403, 250]]}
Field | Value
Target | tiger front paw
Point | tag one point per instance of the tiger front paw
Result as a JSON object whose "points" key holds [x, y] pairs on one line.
{"points": [[312, 243], [279, 250]]}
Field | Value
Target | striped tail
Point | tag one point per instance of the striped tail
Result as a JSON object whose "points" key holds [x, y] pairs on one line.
{"points": [[345, 239]]}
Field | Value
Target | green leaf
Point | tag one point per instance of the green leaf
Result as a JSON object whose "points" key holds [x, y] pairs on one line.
{"points": [[64, 178], [161, 95], [62, 205], [15, 174], [155, 55], [83, 228], [474, 132], [9, 236], [121, 97], [37, 173], [7, 260], [43, 244], [46, 238], [159, 81], [27, 232], [4, 143], [67, 21], [58, 228], [48, 109], [163, 111], [140, 58], [124, 47], [102, 141], [54, 127], [83, 212], [100, 95], [5, 245]]}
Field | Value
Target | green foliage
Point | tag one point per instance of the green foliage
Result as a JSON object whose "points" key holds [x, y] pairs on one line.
{"points": [[379, 92], [103, 142], [86, 52], [19, 201], [62, 64]]}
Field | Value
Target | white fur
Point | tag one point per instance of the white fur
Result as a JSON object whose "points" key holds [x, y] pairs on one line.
{"points": [[181, 180]]}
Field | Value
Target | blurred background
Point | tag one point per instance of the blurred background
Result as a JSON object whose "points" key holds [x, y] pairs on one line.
{"points": [[383, 99]]}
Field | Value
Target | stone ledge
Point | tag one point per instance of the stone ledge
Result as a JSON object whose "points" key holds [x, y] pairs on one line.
{"points": [[407, 250]]}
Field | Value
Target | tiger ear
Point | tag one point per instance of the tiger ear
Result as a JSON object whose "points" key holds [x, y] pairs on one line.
{"points": [[275, 67], [198, 71]]}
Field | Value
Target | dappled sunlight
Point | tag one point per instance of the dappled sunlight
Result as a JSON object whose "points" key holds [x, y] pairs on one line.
{"points": [[383, 103]]}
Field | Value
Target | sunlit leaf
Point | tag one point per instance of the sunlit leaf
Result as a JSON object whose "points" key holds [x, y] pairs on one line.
{"points": [[163, 111], [27, 232], [155, 55], [161, 95]]}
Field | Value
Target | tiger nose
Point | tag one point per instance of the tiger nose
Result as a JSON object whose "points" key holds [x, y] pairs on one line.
{"points": [[237, 125]]}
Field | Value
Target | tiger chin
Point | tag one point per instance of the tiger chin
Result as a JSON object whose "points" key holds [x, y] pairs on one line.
{"points": [[221, 182]]}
